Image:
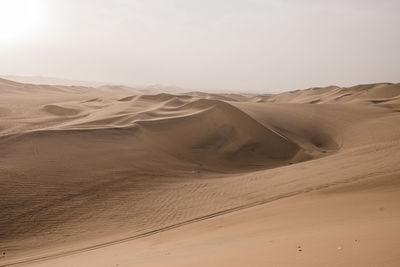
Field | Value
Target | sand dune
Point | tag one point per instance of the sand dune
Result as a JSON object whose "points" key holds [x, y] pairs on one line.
{"points": [[83, 168], [335, 94]]}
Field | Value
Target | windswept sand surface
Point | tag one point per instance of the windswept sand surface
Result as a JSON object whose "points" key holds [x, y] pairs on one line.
{"points": [[106, 176]]}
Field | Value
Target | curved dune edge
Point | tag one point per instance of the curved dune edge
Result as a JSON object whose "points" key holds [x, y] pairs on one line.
{"points": [[121, 168]]}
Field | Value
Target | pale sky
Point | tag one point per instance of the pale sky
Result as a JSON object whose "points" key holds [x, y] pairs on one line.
{"points": [[253, 45]]}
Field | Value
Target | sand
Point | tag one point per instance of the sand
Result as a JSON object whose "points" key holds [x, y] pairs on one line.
{"points": [[109, 175]]}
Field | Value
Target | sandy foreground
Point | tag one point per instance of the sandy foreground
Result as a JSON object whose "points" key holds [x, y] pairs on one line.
{"points": [[112, 176]]}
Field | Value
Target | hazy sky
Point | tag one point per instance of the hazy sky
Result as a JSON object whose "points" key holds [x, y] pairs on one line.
{"points": [[254, 45]]}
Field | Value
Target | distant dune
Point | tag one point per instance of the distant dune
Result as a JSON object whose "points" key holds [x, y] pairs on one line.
{"points": [[107, 175], [379, 92], [42, 80], [50, 81]]}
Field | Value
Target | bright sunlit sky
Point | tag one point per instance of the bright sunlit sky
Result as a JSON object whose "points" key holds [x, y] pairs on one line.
{"points": [[253, 45]]}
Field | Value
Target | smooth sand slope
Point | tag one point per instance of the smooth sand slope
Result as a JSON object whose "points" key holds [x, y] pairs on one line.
{"points": [[87, 173], [348, 225]]}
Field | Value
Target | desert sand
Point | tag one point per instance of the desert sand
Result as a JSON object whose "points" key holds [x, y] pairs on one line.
{"points": [[115, 176]]}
